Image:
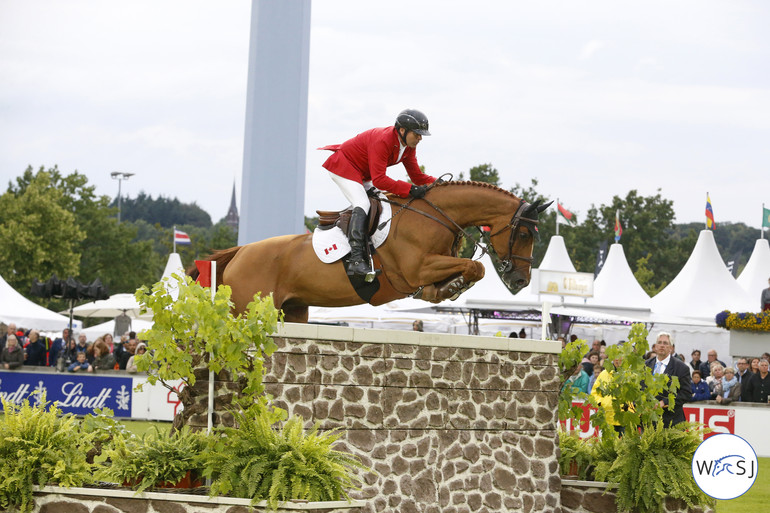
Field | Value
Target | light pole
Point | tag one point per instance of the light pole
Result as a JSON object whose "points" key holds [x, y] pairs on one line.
{"points": [[120, 176]]}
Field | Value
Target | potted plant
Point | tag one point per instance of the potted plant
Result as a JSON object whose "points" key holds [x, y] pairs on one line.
{"points": [[159, 459], [261, 460]]}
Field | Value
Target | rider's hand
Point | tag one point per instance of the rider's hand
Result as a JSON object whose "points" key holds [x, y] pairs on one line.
{"points": [[418, 191]]}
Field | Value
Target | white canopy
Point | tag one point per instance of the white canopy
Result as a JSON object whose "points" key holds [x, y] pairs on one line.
{"points": [[94, 332], [704, 287], [116, 305], [753, 278], [368, 316], [616, 285], [173, 267], [15, 308]]}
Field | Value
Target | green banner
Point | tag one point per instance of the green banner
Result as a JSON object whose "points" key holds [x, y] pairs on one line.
{"points": [[766, 217]]}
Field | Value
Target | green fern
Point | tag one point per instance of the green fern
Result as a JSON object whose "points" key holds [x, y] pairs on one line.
{"points": [[653, 465], [39, 446], [155, 458], [260, 462]]}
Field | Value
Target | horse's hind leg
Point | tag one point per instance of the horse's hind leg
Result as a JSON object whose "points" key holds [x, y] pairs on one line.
{"points": [[295, 314]]}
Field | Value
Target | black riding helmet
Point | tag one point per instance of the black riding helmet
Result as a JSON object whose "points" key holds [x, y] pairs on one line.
{"points": [[414, 120]]}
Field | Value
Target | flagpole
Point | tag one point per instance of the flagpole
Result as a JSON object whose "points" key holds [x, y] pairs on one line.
{"points": [[173, 237], [762, 225], [557, 216]]}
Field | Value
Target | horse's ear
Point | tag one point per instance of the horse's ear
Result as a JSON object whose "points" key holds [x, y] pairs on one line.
{"points": [[532, 207], [541, 208]]}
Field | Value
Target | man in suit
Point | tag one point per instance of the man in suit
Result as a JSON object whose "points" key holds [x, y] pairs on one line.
{"points": [[664, 363]]}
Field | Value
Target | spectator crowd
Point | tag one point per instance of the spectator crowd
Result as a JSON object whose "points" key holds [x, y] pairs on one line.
{"points": [[711, 380], [27, 347]]}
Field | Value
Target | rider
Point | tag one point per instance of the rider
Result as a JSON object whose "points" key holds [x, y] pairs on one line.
{"points": [[360, 163]]}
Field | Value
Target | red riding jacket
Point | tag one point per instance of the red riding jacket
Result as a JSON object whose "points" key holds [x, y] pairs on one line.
{"points": [[366, 156]]}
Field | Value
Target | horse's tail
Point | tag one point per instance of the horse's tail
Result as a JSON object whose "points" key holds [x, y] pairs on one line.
{"points": [[222, 257]]}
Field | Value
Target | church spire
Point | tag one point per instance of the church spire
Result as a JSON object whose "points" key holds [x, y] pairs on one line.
{"points": [[232, 217]]}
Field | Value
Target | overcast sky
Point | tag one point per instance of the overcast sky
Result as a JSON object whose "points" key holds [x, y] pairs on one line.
{"points": [[591, 98]]}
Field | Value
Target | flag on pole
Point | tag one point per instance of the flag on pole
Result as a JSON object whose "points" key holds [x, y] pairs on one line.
{"points": [[618, 228], [710, 223], [765, 217], [567, 215], [181, 238]]}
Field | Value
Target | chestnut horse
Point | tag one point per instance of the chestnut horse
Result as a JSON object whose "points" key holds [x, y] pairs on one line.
{"points": [[416, 259]]}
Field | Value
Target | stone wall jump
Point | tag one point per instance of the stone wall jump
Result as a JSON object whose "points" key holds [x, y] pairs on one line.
{"points": [[448, 423]]}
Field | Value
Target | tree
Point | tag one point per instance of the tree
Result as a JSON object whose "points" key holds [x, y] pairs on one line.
{"points": [[107, 250], [166, 212], [483, 173], [40, 235]]}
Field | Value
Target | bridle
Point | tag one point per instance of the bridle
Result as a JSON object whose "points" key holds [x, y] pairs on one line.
{"points": [[518, 220]]}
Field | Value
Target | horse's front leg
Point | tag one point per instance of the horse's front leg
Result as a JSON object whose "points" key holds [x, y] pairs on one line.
{"points": [[447, 277]]}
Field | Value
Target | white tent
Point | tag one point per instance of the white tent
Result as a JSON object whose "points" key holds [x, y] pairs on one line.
{"points": [[15, 308], [173, 266], [117, 304], [753, 278], [94, 332], [556, 258], [704, 287], [616, 285]]}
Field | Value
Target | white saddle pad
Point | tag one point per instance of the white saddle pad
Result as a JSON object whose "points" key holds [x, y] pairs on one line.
{"points": [[331, 245]]}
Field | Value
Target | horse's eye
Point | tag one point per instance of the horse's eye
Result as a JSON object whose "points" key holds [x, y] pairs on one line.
{"points": [[524, 234]]}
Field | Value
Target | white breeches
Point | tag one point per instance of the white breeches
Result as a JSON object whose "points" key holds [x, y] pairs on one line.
{"points": [[354, 192]]}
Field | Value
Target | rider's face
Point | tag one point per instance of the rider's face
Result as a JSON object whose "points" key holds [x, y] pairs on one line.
{"points": [[413, 139]]}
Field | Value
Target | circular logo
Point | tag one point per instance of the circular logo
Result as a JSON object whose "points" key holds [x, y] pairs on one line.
{"points": [[724, 466]]}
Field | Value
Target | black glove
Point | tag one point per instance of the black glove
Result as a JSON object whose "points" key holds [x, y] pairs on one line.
{"points": [[418, 191]]}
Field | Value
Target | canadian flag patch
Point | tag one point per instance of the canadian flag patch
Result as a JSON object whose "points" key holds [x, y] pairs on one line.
{"points": [[329, 250]]}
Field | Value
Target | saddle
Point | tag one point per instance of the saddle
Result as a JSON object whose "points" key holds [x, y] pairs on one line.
{"points": [[329, 219]]}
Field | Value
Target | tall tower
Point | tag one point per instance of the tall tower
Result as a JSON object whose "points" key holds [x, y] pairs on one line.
{"points": [[273, 194], [231, 219]]}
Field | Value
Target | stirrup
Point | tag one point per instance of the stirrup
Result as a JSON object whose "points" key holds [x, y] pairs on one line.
{"points": [[372, 273]]}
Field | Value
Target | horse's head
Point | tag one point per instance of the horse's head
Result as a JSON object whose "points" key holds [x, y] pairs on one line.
{"points": [[513, 244]]}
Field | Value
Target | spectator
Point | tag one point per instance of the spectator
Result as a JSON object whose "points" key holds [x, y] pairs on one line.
{"points": [[71, 353], [758, 386], [578, 381], [82, 346], [35, 349], [128, 351], [663, 363], [695, 362], [700, 389], [764, 300], [120, 347], [765, 356], [81, 364], [754, 365], [677, 355], [598, 368], [591, 360], [572, 338], [107, 337], [731, 389], [513, 334], [103, 360], [715, 379], [9, 330], [417, 325], [705, 367], [59, 350], [743, 373], [523, 333], [12, 356], [563, 341], [603, 401], [141, 348]]}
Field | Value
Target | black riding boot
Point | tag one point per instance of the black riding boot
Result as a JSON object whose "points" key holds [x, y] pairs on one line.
{"points": [[357, 236]]}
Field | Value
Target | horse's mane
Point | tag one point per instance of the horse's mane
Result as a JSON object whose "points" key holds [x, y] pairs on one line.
{"points": [[476, 184]]}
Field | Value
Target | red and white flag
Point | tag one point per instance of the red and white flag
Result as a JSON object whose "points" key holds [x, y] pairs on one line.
{"points": [[568, 216], [181, 238]]}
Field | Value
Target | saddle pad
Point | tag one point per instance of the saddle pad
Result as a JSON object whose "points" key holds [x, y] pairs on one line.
{"points": [[332, 244]]}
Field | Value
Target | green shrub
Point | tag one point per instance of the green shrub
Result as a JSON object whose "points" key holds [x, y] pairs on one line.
{"points": [[155, 458], [39, 446], [258, 461], [653, 465]]}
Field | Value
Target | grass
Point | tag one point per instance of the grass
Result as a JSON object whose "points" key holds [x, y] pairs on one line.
{"points": [[756, 499]]}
